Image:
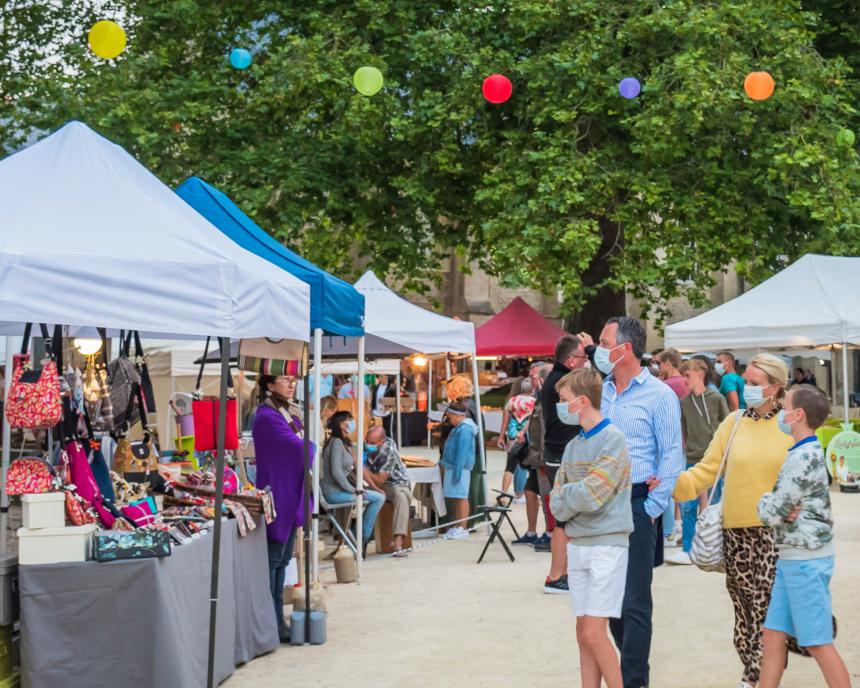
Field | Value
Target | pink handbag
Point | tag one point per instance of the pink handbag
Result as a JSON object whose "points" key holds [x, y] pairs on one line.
{"points": [[81, 475], [34, 397]]}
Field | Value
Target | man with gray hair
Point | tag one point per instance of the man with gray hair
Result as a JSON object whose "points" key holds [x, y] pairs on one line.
{"points": [[649, 414]]}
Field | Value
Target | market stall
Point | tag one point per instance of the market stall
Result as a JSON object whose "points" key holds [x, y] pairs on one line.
{"points": [[91, 239]]}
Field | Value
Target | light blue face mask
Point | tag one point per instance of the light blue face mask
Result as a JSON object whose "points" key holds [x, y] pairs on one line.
{"points": [[371, 448], [754, 396], [350, 426], [564, 415], [783, 425], [601, 359], [719, 368]]}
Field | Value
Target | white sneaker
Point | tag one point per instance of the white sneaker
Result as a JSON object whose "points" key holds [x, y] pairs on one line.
{"points": [[520, 500], [679, 558], [459, 534], [669, 542], [744, 684]]}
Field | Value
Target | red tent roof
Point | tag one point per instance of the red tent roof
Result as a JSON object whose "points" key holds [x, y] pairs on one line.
{"points": [[517, 330]]}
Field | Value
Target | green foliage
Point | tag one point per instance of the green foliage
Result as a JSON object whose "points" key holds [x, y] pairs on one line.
{"points": [[685, 180]]}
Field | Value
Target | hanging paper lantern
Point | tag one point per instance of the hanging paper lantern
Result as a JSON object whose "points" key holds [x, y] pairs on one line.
{"points": [[759, 85], [240, 58], [629, 87], [497, 88], [368, 80], [107, 39], [845, 137]]}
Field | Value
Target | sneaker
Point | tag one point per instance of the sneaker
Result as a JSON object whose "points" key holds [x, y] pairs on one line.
{"points": [[670, 542], [460, 534], [680, 558], [526, 539], [543, 539], [544, 544], [520, 500], [556, 587]]}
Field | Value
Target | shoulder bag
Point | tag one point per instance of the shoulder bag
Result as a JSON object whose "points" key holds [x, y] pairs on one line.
{"points": [[707, 550], [205, 411], [34, 396]]}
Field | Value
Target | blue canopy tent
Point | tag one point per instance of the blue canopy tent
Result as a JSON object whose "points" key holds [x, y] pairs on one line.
{"points": [[337, 308]]}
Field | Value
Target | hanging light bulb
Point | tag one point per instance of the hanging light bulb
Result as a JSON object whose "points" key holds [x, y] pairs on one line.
{"points": [[88, 347], [419, 361]]}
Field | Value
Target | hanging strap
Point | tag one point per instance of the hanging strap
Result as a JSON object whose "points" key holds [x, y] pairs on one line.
{"points": [[25, 344], [738, 417], [103, 336], [198, 388]]}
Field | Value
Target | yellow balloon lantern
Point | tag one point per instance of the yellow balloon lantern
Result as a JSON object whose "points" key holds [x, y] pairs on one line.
{"points": [[107, 39]]}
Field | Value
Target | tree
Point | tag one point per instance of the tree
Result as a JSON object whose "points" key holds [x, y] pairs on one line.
{"points": [[565, 187]]}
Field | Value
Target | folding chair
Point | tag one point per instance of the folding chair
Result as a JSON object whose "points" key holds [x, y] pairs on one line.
{"points": [[510, 498], [503, 515], [329, 511]]}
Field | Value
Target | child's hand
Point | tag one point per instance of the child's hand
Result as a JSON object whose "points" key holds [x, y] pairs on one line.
{"points": [[792, 517]]}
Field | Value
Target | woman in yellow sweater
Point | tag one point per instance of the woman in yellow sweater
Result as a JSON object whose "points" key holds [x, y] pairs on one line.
{"points": [[754, 460]]}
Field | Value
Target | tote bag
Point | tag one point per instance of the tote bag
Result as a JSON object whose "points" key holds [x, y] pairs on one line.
{"points": [[707, 550]]}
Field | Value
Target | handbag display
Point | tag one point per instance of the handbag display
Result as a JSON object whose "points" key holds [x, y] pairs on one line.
{"points": [[31, 475], [79, 511], [34, 396], [81, 476], [707, 549], [206, 410]]}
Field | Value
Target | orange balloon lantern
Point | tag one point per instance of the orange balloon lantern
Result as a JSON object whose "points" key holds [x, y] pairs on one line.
{"points": [[759, 85]]}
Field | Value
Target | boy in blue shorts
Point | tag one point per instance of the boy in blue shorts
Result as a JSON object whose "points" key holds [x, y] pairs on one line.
{"points": [[798, 510]]}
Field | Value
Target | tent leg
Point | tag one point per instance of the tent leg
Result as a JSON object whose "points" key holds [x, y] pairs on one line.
{"points": [[224, 343], [359, 462], [483, 457], [307, 479], [316, 424], [845, 380], [7, 447], [429, 399], [399, 425]]}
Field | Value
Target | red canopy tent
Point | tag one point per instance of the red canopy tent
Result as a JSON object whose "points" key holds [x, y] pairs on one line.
{"points": [[517, 330]]}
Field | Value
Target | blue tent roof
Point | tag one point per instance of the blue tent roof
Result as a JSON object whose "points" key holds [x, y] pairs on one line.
{"points": [[336, 306]]}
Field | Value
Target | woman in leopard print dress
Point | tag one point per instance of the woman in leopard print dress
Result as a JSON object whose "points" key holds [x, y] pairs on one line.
{"points": [[755, 457]]}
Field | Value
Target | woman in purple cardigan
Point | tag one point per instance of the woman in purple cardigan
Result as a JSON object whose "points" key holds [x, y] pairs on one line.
{"points": [[280, 465]]}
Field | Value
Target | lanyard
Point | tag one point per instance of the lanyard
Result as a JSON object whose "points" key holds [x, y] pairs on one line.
{"points": [[705, 415]]}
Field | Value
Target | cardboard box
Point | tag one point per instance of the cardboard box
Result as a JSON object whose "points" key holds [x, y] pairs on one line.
{"points": [[46, 510], [55, 545]]}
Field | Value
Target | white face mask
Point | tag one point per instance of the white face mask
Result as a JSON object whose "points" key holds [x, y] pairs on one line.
{"points": [[601, 359], [754, 396], [720, 368]]}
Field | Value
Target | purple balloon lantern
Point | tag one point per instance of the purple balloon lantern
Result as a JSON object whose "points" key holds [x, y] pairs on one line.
{"points": [[629, 87]]}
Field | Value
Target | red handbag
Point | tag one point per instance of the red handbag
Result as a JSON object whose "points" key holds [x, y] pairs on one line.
{"points": [[205, 413], [78, 510], [34, 397], [31, 475]]}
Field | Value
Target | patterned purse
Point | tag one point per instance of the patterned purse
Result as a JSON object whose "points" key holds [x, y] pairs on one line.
{"points": [[34, 396], [31, 475]]}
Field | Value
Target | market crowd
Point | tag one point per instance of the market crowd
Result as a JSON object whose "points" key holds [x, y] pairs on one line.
{"points": [[623, 451]]}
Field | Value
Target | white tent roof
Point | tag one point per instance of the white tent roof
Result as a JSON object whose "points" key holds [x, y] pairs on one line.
{"points": [[379, 366], [813, 302], [89, 237], [391, 317]]}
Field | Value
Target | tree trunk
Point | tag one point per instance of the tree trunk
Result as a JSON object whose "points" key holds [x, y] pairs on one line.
{"points": [[607, 302]]}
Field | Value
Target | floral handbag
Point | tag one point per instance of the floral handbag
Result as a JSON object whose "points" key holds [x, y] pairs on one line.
{"points": [[34, 396], [31, 475]]}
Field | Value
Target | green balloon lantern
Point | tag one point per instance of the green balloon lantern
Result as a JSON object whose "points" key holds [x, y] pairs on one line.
{"points": [[845, 137], [367, 80]]}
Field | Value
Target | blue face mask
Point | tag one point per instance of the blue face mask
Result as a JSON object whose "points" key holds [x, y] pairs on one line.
{"points": [[601, 359], [719, 368], [783, 424], [350, 426], [754, 396], [371, 448], [564, 415]]}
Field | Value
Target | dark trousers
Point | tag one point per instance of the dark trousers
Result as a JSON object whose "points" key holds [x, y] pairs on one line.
{"points": [[280, 554], [632, 632]]}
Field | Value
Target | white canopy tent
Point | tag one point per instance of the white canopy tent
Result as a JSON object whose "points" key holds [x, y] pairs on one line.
{"points": [[91, 238], [812, 303]]}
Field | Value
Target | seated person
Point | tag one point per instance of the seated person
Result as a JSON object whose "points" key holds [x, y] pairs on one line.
{"points": [[387, 472], [338, 471]]}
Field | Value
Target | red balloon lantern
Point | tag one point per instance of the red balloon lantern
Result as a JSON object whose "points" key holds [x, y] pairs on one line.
{"points": [[497, 88]]}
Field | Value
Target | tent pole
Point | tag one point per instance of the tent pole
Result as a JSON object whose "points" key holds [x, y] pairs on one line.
{"points": [[833, 392], [307, 479], [399, 426], [224, 343], [7, 447], [845, 380], [483, 450], [429, 398], [316, 424], [359, 463]]}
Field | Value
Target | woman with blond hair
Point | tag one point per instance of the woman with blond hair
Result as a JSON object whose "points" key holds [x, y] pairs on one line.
{"points": [[756, 451]]}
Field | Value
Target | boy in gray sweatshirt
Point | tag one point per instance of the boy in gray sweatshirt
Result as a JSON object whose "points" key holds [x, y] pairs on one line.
{"points": [[592, 495]]}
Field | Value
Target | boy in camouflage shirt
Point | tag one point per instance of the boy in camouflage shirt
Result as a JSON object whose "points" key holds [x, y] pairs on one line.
{"points": [[798, 510]]}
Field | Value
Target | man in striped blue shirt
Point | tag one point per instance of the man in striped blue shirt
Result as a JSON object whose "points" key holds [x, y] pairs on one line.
{"points": [[648, 413]]}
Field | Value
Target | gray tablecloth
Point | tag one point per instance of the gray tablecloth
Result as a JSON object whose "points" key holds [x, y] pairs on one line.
{"points": [[146, 623]]}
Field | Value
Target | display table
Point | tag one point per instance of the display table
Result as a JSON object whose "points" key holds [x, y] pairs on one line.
{"points": [[432, 476], [146, 623], [413, 425]]}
